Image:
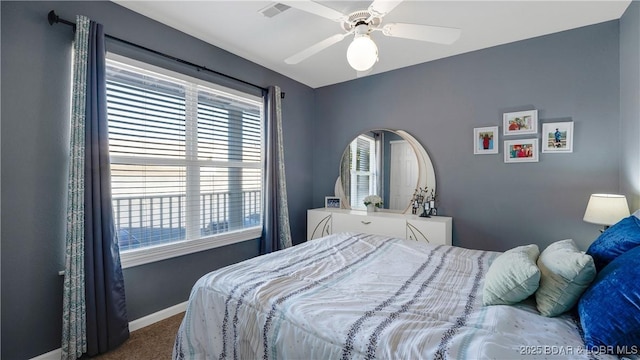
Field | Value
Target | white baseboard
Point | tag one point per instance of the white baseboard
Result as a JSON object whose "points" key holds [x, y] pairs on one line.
{"points": [[133, 326], [157, 316], [51, 355]]}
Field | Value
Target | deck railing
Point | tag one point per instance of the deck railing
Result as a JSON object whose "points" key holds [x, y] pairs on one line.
{"points": [[151, 220]]}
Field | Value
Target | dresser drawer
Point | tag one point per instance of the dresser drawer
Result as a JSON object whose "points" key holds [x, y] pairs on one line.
{"points": [[434, 232], [368, 224]]}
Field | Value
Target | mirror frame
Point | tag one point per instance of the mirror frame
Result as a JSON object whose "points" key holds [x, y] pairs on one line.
{"points": [[426, 172]]}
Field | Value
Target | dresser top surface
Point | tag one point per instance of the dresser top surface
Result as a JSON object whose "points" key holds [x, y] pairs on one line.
{"points": [[384, 214]]}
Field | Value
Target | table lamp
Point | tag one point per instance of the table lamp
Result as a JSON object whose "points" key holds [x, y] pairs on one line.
{"points": [[606, 209]]}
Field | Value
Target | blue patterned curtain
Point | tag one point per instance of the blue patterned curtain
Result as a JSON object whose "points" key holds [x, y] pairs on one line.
{"points": [[276, 233], [94, 312], [74, 336]]}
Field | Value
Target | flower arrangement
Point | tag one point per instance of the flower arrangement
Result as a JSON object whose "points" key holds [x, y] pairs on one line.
{"points": [[373, 199]]}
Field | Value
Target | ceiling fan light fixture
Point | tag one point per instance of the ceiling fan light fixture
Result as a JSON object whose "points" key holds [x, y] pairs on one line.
{"points": [[362, 53]]}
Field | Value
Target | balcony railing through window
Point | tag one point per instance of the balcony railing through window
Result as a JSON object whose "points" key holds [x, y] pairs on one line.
{"points": [[143, 221]]}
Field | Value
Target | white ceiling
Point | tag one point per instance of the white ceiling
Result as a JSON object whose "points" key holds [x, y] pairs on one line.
{"points": [[239, 27]]}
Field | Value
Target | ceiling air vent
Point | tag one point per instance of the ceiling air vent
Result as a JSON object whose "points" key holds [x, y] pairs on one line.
{"points": [[273, 10]]}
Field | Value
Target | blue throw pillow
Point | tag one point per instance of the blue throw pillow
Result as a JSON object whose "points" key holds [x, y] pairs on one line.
{"points": [[615, 241], [610, 308]]}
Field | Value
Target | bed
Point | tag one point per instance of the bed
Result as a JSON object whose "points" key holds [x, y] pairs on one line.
{"points": [[362, 296]]}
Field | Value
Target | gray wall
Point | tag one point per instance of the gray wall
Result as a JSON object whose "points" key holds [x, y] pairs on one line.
{"points": [[576, 75], [35, 113], [568, 76], [630, 104]]}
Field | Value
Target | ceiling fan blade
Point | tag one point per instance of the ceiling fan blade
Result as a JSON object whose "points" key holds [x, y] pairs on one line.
{"points": [[383, 7], [313, 49], [435, 34], [315, 8]]}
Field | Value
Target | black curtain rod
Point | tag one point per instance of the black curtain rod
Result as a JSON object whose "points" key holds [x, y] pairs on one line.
{"points": [[54, 19]]}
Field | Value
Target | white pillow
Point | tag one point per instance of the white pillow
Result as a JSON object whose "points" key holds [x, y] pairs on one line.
{"points": [[512, 277], [565, 273]]}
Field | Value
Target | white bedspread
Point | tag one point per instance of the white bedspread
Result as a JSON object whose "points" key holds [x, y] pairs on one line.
{"points": [[359, 296]]}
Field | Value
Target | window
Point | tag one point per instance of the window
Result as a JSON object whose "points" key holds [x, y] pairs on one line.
{"points": [[363, 170], [186, 162]]}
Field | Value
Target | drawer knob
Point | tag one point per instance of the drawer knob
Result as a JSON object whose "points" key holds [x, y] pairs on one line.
{"points": [[365, 222]]}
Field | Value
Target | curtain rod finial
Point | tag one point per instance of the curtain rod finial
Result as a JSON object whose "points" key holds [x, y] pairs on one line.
{"points": [[52, 17]]}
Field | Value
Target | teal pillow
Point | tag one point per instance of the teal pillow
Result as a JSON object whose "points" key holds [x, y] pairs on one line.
{"points": [[512, 277], [565, 273], [615, 241], [610, 308]]}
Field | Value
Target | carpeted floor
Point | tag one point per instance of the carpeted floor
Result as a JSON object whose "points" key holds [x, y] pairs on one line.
{"points": [[154, 342]]}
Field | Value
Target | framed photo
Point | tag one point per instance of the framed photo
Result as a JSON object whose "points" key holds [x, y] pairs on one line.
{"points": [[524, 150], [485, 140], [332, 202], [557, 137], [521, 122]]}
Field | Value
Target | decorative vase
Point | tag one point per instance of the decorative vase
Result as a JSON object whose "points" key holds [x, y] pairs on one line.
{"points": [[371, 208]]}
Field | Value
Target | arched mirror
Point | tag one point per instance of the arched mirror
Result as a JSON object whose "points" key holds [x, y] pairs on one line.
{"points": [[384, 162]]}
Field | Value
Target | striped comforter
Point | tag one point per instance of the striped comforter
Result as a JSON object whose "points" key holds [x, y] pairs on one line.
{"points": [[360, 296]]}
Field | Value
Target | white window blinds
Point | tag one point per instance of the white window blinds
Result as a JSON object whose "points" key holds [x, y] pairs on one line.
{"points": [[186, 158], [363, 180]]}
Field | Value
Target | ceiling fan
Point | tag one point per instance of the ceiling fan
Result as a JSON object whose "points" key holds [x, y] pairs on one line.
{"points": [[362, 53]]}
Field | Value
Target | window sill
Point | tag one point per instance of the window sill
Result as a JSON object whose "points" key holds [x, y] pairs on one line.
{"points": [[151, 254]]}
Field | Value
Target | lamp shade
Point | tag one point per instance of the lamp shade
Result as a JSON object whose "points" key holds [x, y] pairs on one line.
{"points": [[606, 209], [362, 53]]}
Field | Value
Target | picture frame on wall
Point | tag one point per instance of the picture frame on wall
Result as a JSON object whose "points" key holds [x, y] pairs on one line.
{"points": [[520, 123], [557, 137], [485, 140], [332, 202], [522, 150]]}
